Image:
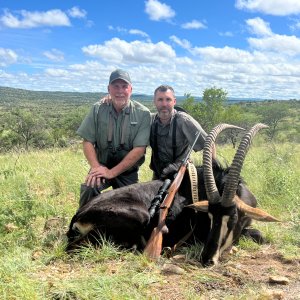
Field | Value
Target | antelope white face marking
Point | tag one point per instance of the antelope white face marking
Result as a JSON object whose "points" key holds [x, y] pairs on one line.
{"points": [[226, 238], [223, 235]]}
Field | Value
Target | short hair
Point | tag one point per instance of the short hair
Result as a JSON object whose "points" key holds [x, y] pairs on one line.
{"points": [[164, 88]]}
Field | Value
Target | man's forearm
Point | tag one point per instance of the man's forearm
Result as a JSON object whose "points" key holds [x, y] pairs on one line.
{"points": [[128, 161], [90, 154]]}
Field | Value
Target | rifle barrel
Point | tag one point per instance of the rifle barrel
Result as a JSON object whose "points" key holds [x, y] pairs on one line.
{"points": [[192, 147]]}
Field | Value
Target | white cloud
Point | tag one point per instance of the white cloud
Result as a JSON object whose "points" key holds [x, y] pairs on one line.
{"points": [[226, 33], [61, 73], [7, 57], [224, 55], [193, 25], [89, 23], [295, 26], [269, 41], [29, 19], [271, 7], [242, 73], [138, 32], [76, 12], [185, 44], [6, 76], [119, 51], [158, 11], [118, 28], [259, 27], [129, 31], [253, 73], [289, 45], [54, 55], [184, 61]]}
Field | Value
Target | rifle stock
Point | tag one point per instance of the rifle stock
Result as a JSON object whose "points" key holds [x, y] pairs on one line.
{"points": [[154, 244]]}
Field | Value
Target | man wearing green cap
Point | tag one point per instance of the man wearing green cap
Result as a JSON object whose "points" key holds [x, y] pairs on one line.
{"points": [[115, 138]]}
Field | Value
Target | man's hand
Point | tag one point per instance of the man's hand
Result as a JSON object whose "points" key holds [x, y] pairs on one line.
{"points": [[97, 176], [170, 170], [106, 99]]}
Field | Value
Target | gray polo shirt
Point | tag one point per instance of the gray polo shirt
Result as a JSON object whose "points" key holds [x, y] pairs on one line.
{"points": [[102, 118], [186, 129]]}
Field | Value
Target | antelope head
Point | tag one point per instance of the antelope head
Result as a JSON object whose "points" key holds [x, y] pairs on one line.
{"points": [[222, 209]]}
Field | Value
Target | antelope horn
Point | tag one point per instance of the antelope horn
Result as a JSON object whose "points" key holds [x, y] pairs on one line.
{"points": [[199, 206], [253, 212], [236, 165], [209, 180]]}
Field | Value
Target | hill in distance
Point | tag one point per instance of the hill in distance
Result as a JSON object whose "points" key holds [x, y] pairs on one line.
{"points": [[11, 95]]}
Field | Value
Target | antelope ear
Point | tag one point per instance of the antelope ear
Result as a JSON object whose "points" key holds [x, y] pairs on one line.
{"points": [[83, 228], [253, 212], [199, 206]]}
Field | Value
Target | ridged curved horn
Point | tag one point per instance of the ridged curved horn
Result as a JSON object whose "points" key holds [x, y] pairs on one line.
{"points": [[254, 212], [209, 180], [237, 163]]}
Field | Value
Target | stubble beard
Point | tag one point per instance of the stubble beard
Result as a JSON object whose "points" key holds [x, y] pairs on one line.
{"points": [[165, 116], [119, 104]]}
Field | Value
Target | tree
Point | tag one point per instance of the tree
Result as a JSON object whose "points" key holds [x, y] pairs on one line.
{"points": [[210, 110], [214, 100], [192, 107], [23, 127], [8, 139], [71, 121], [214, 109], [272, 115]]}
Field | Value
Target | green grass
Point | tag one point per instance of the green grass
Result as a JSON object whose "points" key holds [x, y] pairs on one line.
{"points": [[42, 186]]}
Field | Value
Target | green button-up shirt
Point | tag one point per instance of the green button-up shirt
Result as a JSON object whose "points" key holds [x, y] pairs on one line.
{"points": [[102, 118]]}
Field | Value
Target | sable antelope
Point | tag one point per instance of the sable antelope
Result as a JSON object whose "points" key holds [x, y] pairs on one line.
{"points": [[123, 213], [231, 211]]}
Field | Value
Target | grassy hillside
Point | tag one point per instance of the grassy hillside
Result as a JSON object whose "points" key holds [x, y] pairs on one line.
{"points": [[37, 119], [13, 96], [39, 193]]}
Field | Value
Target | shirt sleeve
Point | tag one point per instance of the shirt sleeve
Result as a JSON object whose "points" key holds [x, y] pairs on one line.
{"points": [[87, 129], [142, 137], [190, 128]]}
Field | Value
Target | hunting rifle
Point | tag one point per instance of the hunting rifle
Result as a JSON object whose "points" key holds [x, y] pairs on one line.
{"points": [[154, 244], [158, 199]]}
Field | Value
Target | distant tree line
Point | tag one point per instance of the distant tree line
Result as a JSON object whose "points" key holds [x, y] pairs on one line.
{"points": [[24, 129], [45, 124], [282, 117]]}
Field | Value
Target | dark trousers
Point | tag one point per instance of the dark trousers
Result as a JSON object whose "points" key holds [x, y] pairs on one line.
{"points": [[88, 192]]}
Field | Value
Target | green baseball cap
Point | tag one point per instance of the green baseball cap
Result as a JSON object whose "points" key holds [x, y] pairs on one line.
{"points": [[119, 74]]}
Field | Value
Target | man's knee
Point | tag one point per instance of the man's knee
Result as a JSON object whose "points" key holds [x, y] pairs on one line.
{"points": [[125, 179], [86, 194]]}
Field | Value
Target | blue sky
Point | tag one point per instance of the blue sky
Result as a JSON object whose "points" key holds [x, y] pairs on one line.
{"points": [[250, 48]]}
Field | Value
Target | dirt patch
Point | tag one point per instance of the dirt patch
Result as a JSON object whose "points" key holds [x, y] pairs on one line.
{"points": [[242, 275], [239, 276]]}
